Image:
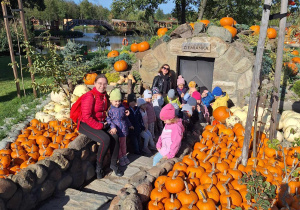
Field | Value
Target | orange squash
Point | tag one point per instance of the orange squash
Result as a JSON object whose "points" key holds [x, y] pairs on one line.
{"points": [[143, 46], [271, 33], [113, 54], [134, 47], [89, 79], [255, 29], [227, 21], [120, 65], [221, 113], [161, 31]]}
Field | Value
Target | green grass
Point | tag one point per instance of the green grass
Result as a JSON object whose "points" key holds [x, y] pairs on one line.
{"points": [[9, 102]]}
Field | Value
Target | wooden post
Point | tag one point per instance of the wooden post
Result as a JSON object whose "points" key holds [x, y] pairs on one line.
{"points": [[11, 49], [129, 90], [279, 58], [26, 39], [255, 80]]}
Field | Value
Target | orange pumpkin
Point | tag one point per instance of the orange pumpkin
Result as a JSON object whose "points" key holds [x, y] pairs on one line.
{"points": [[292, 67], [256, 29], [271, 33], [227, 21], [143, 46], [120, 65], [192, 25], [205, 22], [296, 60], [232, 30], [221, 113], [134, 47], [161, 31], [295, 52], [113, 54], [89, 79]]}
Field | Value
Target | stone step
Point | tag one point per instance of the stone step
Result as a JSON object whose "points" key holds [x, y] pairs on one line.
{"points": [[73, 199]]}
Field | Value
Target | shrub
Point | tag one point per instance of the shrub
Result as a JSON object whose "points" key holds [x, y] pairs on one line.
{"points": [[296, 88]]}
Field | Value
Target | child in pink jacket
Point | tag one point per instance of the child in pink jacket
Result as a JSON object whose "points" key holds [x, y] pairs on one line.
{"points": [[169, 141]]}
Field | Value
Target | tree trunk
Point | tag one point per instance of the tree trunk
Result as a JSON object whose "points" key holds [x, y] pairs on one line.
{"points": [[279, 58], [178, 11], [255, 80], [201, 9], [183, 6]]}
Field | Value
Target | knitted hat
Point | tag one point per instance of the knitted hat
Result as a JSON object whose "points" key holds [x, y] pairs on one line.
{"points": [[196, 95], [115, 95], [147, 94], [167, 112], [131, 97], [202, 88], [175, 105], [217, 91], [192, 101], [140, 101], [171, 93], [192, 84], [187, 108], [180, 80], [155, 90]]}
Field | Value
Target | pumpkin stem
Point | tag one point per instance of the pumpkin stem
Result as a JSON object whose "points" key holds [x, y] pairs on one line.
{"points": [[43, 146], [200, 137], [203, 196], [155, 203], [172, 198], [228, 203], [229, 145], [191, 205], [193, 175], [225, 172], [236, 164], [44, 153], [204, 148], [211, 184], [57, 132], [29, 160], [226, 189], [175, 174], [211, 130], [196, 165], [187, 191], [207, 157], [227, 154]]}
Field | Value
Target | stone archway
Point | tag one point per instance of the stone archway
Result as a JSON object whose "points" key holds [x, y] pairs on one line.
{"points": [[232, 68]]}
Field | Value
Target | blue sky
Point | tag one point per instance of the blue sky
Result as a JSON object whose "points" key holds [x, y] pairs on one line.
{"points": [[167, 8]]}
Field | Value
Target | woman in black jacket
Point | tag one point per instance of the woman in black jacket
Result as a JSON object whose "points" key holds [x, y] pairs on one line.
{"points": [[163, 81]]}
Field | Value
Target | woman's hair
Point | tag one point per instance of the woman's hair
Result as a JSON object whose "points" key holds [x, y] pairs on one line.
{"points": [[101, 76], [174, 120], [169, 73]]}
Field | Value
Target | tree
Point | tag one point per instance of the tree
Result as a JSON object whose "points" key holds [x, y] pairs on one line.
{"points": [[201, 9], [184, 11], [73, 10], [39, 4], [86, 9], [55, 10], [159, 14]]}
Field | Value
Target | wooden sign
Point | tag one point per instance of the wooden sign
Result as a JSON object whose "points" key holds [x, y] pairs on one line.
{"points": [[199, 47]]}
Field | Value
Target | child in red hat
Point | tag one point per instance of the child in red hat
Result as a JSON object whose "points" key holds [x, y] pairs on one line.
{"points": [[169, 141]]}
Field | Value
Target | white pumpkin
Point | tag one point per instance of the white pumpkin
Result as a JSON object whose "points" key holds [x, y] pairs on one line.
{"points": [[65, 103], [234, 108], [74, 98], [61, 116], [60, 96], [279, 136], [291, 133], [241, 114], [232, 120], [291, 121], [58, 107], [284, 113], [80, 90], [45, 118], [245, 108], [113, 83]]}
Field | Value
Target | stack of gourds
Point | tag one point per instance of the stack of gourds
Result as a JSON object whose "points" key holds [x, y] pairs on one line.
{"points": [[209, 178], [36, 142]]}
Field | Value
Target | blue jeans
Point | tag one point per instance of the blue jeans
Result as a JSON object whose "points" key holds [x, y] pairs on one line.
{"points": [[157, 158]]}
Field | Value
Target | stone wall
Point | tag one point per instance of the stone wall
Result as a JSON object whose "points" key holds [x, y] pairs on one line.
{"points": [[66, 168], [232, 68]]}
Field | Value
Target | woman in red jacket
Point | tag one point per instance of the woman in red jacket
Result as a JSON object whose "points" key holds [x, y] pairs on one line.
{"points": [[94, 105]]}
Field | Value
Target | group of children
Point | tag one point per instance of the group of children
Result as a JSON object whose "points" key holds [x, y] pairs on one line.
{"points": [[140, 118]]}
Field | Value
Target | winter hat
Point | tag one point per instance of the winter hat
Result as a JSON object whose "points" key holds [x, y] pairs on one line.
{"points": [[187, 108], [202, 88], [147, 94], [155, 90], [167, 112], [115, 95], [180, 80], [192, 84], [217, 91], [196, 95], [131, 97], [140, 101], [171, 93], [192, 101]]}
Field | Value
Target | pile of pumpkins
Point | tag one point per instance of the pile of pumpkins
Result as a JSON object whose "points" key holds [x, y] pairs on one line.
{"points": [[120, 65], [288, 126], [209, 177], [141, 47], [36, 142], [294, 62], [59, 106]]}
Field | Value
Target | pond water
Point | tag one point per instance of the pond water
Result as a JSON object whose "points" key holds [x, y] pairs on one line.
{"points": [[88, 40]]}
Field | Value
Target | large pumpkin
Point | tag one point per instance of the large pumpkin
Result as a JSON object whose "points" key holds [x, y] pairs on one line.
{"points": [[120, 65], [134, 47], [143, 46], [161, 31], [295, 52], [89, 78], [256, 29], [292, 67], [232, 30], [113, 54], [221, 113], [271, 33], [205, 22], [227, 21]]}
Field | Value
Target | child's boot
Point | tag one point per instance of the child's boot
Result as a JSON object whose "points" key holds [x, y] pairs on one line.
{"points": [[126, 160], [122, 161]]}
